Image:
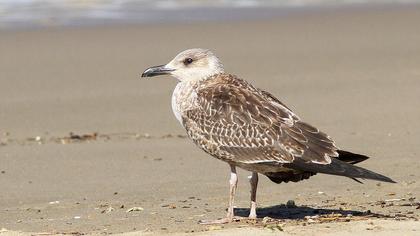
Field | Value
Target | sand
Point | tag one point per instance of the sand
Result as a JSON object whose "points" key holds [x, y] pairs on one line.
{"points": [[354, 73]]}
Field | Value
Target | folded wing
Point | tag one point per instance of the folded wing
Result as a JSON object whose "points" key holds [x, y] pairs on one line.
{"points": [[236, 122]]}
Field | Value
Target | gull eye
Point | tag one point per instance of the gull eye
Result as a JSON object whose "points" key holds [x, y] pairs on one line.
{"points": [[188, 61]]}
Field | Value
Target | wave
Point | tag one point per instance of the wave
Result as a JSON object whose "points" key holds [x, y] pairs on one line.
{"points": [[44, 13]]}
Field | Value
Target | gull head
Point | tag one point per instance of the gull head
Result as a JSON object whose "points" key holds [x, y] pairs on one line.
{"points": [[191, 64]]}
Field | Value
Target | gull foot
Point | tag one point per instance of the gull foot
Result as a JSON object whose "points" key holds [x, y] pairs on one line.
{"points": [[252, 216]]}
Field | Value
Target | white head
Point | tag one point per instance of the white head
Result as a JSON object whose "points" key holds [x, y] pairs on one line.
{"points": [[191, 64]]}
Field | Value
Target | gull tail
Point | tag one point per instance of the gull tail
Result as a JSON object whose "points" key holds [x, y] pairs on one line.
{"points": [[343, 166], [351, 158]]}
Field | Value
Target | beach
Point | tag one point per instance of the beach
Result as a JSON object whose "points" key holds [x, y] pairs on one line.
{"points": [[89, 147]]}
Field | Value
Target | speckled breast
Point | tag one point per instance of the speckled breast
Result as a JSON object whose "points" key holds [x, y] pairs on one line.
{"points": [[183, 98]]}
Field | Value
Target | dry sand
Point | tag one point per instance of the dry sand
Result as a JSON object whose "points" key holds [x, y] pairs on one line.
{"points": [[353, 73]]}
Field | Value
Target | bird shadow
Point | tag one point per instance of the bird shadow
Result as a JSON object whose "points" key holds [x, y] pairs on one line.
{"points": [[283, 212]]}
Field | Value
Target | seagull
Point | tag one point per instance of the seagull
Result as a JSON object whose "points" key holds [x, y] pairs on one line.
{"points": [[246, 127]]}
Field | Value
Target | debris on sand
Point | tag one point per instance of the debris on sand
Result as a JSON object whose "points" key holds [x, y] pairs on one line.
{"points": [[92, 136], [170, 206], [88, 137], [107, 210], [134, 209], [274, 227], [36, 139], [72, 138], [320, 216], [395, 200]]}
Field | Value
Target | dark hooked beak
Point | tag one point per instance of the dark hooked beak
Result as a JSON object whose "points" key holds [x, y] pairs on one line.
{"points": [[156, 70]]}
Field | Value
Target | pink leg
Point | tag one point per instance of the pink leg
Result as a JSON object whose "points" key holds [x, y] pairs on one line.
{"points": [[253, 180], [233, 183]]}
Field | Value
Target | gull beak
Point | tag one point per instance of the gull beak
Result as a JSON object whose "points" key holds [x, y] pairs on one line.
{"points": [[156, 70]]}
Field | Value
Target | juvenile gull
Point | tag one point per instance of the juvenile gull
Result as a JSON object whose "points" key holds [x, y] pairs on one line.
{"points": [[249, 128]]}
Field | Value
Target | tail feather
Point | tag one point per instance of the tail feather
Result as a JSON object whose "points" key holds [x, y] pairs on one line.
{"points": [[351, 158], [342, 166]]}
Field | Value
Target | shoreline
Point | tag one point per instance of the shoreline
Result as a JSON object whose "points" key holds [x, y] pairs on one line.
{"points": [[199, 15]]}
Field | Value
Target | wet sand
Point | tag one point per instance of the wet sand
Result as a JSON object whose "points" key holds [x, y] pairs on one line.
{"points": [[352, 73]]}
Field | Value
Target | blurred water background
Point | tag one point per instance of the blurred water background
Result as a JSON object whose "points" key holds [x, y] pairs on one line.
{"points": [[24, 14]]}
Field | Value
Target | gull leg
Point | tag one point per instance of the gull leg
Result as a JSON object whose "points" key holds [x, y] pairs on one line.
{"points": [[253, 180], [233, 183]]}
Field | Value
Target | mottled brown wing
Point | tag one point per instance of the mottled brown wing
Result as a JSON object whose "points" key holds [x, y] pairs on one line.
{"points": [[319, 147], [235, 122]]}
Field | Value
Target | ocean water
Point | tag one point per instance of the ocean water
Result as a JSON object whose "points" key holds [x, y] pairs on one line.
{"points": [[21, 14]]}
